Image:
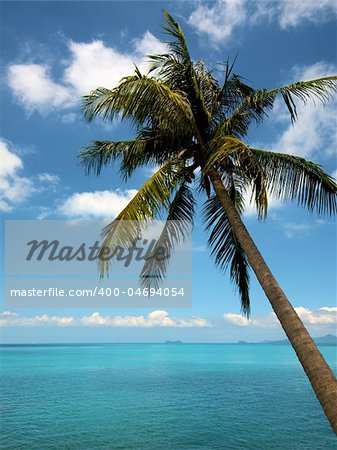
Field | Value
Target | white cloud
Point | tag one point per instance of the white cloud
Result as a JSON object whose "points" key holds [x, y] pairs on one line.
{"points": [[237, 319], [250, 207], [296, 229], [97, 204], [218, 21], [324, 316], [294, 12], [313, 136], [329, 308], [8, 318], [10, 162], [269, 320], [91, 65], [154, 319], [35, 90], [102, 66], [48, 178], [149, 45], [68, 117], [14, 189], [314, 133]]}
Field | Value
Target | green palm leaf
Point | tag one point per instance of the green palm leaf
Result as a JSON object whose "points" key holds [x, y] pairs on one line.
{"points": [[180, 65], [290, 177], [151, 198], [226, 249], [142, 99], [232, 157], [321, 89], [242, 104], [101, 153], [175, 231], [218, 150]]}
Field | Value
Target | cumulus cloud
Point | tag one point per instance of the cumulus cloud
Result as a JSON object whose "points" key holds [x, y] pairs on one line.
{"points": [[35, 88], [324, 316], [10, 162], [102, 65], [149, 45], [329, 309], [8, 318], [270, 320], [220, 19], [97, 204], [15, 189], [295, 12], [314, 133], [154, 319]]}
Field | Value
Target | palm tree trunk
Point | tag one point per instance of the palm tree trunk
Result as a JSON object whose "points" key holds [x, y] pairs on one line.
{"points": [[319, 373]]}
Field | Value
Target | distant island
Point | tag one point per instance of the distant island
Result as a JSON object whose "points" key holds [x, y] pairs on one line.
{"points": [[328, 339], [173, 342]]}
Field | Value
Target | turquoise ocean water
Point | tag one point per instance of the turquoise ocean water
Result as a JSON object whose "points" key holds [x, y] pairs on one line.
{"points": [[159, 396]]}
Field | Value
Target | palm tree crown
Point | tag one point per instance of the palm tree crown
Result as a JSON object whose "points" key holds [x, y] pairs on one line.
{"points": [[187, 123]]}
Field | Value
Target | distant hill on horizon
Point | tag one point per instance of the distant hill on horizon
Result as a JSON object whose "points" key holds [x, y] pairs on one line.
{"points": [[327, 339]]}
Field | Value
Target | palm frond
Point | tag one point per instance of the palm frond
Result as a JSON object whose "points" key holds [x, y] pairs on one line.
{"points": [[251, 174], [176, 229], [151, 198], [218, 150], [242, 104], [236, 125], [98, 154], [159, 148], [290, 177], [178, 45], [226, 249], [97, 102], [142, 99], [208, 86], [149, 148], [234, 92], [321, 89], [187, 76], [183, 120], [169, 69]]}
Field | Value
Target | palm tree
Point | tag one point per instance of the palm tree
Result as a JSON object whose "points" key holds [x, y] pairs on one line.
{"points": [[188, 124]]}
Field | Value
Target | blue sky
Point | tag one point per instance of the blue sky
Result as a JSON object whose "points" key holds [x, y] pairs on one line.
{"points": [[52, 53]]}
